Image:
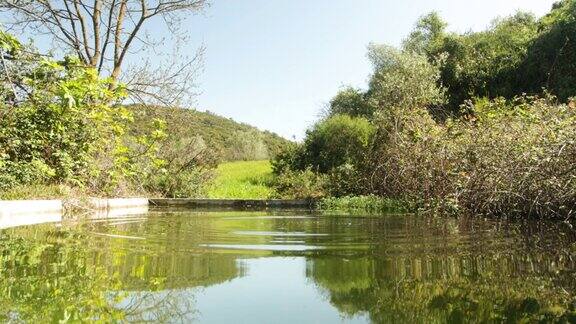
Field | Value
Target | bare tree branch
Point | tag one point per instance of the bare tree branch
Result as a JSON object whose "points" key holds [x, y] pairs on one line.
{"points": [[103, 33]]}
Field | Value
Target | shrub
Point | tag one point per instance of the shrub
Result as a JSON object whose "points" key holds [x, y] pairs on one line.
{"points": [[290, 158], [351, 102], [56, 118], [506, 158], [517, 158], [181, 168], [336, 141], [407, 161], [304, 184]]}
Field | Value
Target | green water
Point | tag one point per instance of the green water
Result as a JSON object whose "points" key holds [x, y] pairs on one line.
{"points": [[288, 267]]}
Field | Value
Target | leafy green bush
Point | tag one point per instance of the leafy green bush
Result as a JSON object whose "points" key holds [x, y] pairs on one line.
{"points": [[336, 141], [352, 102], [179, 167], [516, 54], [56, 118], [304, 184], [551, 58], [334, 149]]}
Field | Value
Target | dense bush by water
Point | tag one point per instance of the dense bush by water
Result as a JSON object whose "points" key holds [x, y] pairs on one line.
{"points": [[449, 126]]}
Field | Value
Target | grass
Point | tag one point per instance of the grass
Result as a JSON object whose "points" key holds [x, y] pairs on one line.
{"points": [[242, 180], [28, 192], [363, 204]]}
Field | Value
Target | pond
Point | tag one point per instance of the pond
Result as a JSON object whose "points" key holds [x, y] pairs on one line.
{"points": [[288, 267]]}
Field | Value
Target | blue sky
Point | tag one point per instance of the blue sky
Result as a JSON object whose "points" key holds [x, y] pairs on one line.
{"points": [[275, 63]]}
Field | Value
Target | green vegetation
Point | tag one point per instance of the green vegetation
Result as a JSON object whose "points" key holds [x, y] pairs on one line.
{"points": [[59, 124], [242, 179], [363, 204], [222, 138], [39, 191], [62, 126], [455, 122]]}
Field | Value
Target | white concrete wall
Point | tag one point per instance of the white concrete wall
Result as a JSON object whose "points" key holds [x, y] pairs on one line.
{"points": [[30, 206], [26, 212]]}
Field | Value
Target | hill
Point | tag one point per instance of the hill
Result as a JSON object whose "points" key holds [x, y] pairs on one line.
{"points": [[227, 139]]}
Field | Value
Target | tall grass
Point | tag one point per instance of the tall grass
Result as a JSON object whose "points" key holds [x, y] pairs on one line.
{"points": [[363, 204], [243, 180]]}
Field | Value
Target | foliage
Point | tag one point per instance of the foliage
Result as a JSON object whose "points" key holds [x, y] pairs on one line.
{"points": [[427, 34], [288, 158], [304, 184], [363, 204], [242, 180], [225, 139], [336, 141], [484, 64], [334, 148], [504, 159], [181, 167], [500, 153], [346, 179], [39, 191], [57, 120], [402, 79], [352, 102], [551, 58], [516, 54]]}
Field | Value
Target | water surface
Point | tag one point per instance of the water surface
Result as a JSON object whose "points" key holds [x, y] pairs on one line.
{"points": [[288, 267]]}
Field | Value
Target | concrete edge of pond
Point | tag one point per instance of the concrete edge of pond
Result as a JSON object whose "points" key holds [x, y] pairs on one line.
{"points": [[114, 203], [30, 206], [232, 203], [29, 212]]}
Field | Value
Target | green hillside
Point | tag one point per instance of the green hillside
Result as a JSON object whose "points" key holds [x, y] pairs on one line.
{"points": [[227, 139]]}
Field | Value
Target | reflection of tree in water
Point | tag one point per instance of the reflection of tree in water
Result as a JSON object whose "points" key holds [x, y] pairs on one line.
{"points": [[159, 307], [521, 279], [52, 275]]}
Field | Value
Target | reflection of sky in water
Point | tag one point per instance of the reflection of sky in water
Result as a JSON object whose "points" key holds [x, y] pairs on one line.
{"points": [[274, 290]]}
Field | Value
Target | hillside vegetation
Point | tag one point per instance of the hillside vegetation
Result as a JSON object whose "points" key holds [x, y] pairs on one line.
{"points": [[225, 139]]}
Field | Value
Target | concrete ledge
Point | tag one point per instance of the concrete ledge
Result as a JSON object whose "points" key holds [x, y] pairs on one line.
{"points": [[26, 212], [127, 203], [104, 203], [14, 207], [232, 203]]}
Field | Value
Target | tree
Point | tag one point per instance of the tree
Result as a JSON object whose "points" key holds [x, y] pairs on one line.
{"points": [[476, 64], [551, 58], [428, 32], [402, 79], [352, 102], [102, 33]]}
